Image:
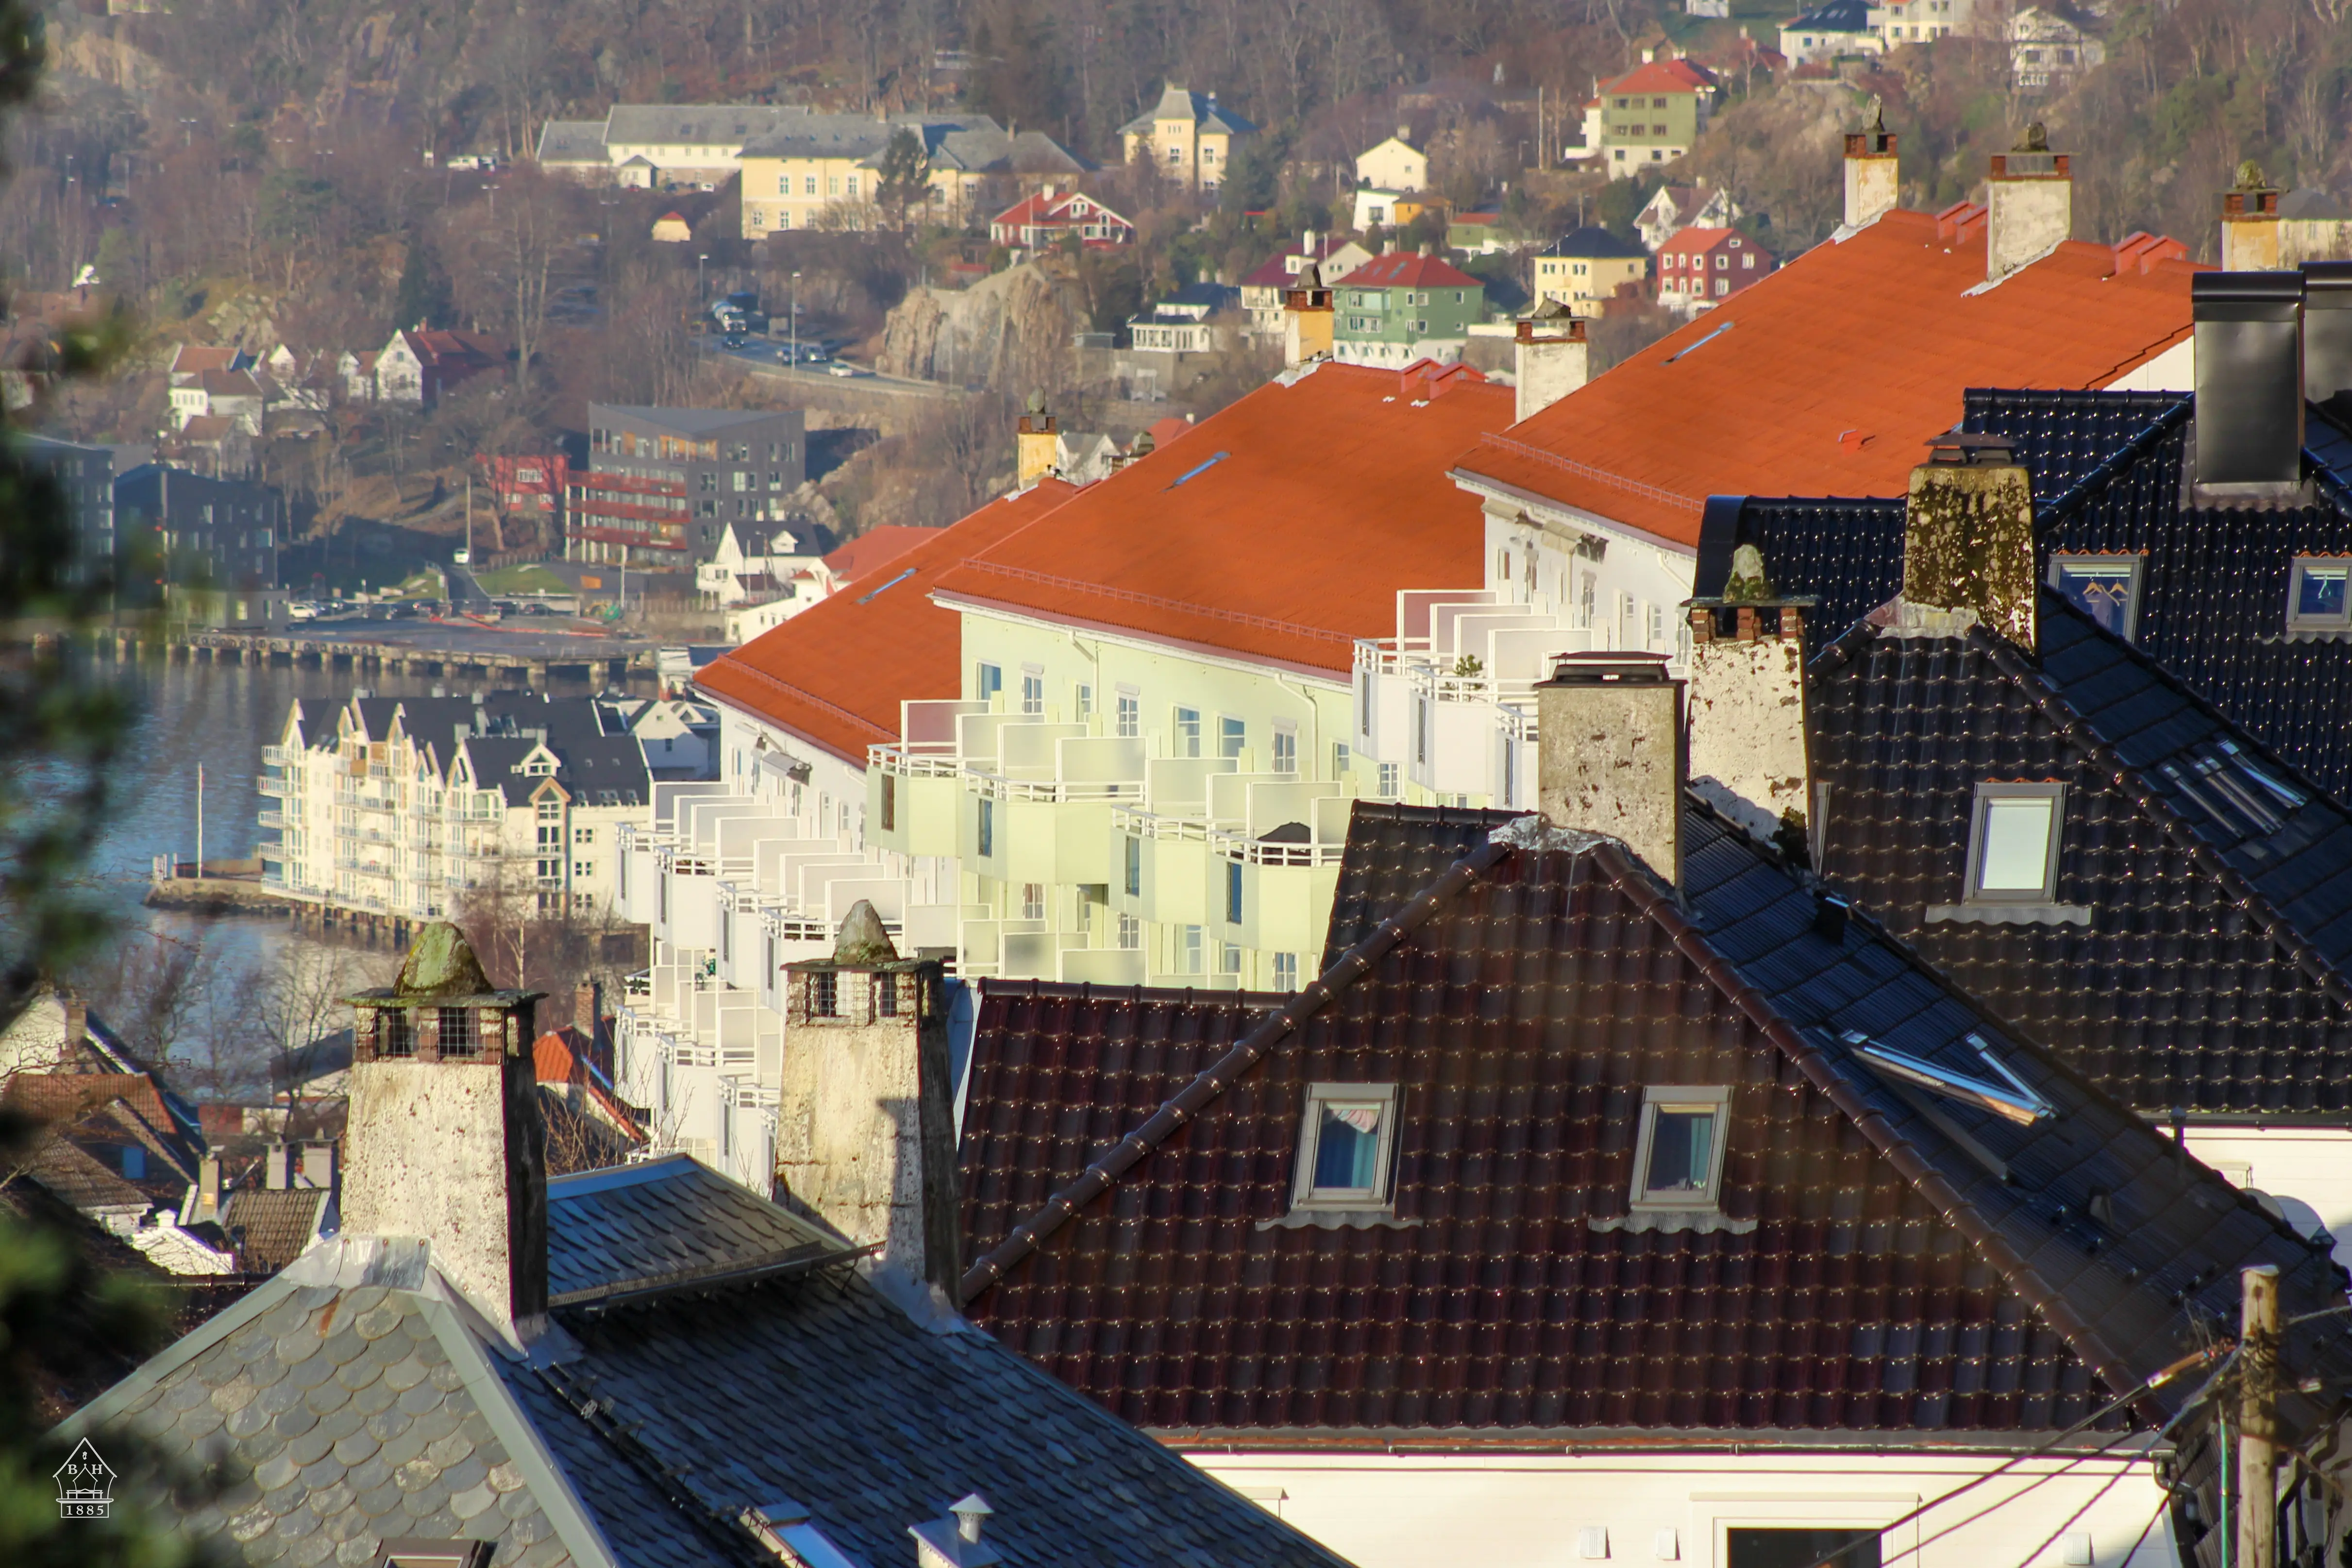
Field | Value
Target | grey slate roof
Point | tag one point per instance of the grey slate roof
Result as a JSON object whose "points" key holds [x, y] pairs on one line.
{"points": [[573, 142], [1202, 108], [698, 124], [361, 1391]]}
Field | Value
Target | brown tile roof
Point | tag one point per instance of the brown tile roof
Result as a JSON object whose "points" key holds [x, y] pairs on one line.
{"points": [[1880, 1261], [1825, 378], [78, 1178], [270, 1226]]}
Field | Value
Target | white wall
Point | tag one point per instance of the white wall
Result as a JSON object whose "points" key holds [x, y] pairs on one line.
{"points": [[1530, 1509], [2310, 1168]]}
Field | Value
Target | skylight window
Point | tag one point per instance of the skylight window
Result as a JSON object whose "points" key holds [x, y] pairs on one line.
{"points": [[2103, 587], [1346, 1146], [2317, 599], [1678, 1152], [2013, 842], [2002, 1092]]}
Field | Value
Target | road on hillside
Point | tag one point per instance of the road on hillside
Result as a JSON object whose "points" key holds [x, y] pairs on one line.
{"points": [[759, 359]]}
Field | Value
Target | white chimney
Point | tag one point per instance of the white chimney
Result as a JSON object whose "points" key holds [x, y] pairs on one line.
{"points": [[1871, 171], [1610, 757], [864, 1122], [2031, 208], [443, 1138], [1748, 743], [1551, 358]]}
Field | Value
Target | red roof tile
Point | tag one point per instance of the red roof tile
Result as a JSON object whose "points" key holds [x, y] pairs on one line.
{"points": [[872, 548], [1826, 377], [1281, 529], [1163, 431], [836, 674], [1411, 269], [1661, 76]]}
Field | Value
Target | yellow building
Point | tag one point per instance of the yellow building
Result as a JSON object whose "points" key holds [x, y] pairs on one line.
{"points": [[1187, 138], [824, 171], [1586, 268]]}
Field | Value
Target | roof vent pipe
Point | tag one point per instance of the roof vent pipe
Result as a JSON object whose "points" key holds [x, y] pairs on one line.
{"points": [[2326, 328], [2250, 384]]}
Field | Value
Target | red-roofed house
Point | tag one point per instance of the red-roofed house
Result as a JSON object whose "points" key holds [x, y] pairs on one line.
{"points": [[1652, 113], [419, 366], [1825, 377], [1263, 286], [864, 555], [1403, 307], [1700, 269], [1040, 220]]}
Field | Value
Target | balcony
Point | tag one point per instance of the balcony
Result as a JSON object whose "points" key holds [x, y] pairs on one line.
{"points": [[272, 819], [276, 788]]}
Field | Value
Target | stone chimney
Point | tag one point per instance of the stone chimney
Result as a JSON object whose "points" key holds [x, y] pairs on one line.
{"points": [[1549, 358], [1308, 318], [1871, 171], [2247, 433], [2250, 222], [1967, 544], [865, 1135], [443, 1140], [2031, 207], [204, 1205], [1610, 757], [1035, 444], [1749, 743]]}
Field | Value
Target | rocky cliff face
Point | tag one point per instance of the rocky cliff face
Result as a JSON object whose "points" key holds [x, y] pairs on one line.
{"points": [[1002, 331]]}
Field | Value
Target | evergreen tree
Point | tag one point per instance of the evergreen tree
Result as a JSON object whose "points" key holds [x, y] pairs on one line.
{"points": [[423, 299]]}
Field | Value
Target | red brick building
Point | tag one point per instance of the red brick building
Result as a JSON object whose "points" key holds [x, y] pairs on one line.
{"points": [[1701, 267]]}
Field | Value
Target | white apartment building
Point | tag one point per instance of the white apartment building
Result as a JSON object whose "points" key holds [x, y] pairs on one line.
{"points": [[396, 807]]}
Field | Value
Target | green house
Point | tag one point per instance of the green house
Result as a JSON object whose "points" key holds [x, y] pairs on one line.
{"points": [[1405, 306]]}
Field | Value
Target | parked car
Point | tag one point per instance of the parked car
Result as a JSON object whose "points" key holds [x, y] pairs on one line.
{"points": [[838, 368], [537, 607], [301, 610]]}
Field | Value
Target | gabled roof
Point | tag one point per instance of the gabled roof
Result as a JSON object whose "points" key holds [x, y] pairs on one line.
{"points": [[2106, 468], [694, 124], [1592, 240], [836, 674], [573, 142], [1663, 76], [695, 1372], [1411, 269], [1279, 528], [1694, 240], [1521, 986], [2212, 967], [1825, 377], [269, 1226]]}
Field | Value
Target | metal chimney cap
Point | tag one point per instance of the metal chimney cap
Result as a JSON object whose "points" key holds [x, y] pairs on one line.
{"points": [[2327, 285], [1609, 668], [2245, 295], [971, 1514]]}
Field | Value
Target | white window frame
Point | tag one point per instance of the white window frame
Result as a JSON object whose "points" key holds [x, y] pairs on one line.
{"points": [[2135, 563], [1032, 690], [1713, 1097], [1127, 710], [1285, 746], [2053, 791], [1187, 738], [1382, 1194], [2298, 622]]}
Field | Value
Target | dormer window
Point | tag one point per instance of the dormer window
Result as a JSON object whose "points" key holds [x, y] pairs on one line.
{"points": [[2103, 587], [1678, 1151], [2317, 599], [1347, 1147]]}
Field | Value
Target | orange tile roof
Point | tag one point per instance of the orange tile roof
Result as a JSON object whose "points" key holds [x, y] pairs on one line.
{"points": [[870, 549], [1280, 528], [1411, 269], [1827, 377], [1661, 76], [836, 674]]}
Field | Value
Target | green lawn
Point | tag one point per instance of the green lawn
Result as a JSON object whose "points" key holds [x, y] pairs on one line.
{"points": [[524, 579]]}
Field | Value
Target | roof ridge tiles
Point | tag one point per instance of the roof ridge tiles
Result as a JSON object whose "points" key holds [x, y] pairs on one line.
{"points": [[1586, 470]]}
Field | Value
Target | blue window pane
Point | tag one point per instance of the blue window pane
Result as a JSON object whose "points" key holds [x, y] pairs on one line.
{"points": [[2320, 594], [1347, 1144], [1681, 1149], [2102, 593], [1233, 893]]}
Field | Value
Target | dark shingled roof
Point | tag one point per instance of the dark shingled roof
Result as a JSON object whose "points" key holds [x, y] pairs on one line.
{"points": [[2106, 469], [1883, 1261], [2215, 967], [269, 1226], [639, 1434]]}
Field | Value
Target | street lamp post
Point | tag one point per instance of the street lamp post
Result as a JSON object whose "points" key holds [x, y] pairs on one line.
{"points": [[701, 297], [796, 323]]}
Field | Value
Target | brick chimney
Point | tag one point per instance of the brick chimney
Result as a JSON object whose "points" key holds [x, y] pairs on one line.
{"points": [[2250, 222], [1967, 544], [1550, 357], [1749, 743], [2030, 204], [1610, 758], [1871, 171], [443, 1140], [864, 1131], [1035, 443], [1307, 316]]}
